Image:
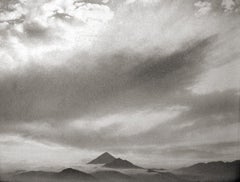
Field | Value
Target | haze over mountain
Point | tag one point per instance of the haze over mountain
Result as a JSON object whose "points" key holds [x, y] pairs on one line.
{"points": [[102, 159], [125, 171]]}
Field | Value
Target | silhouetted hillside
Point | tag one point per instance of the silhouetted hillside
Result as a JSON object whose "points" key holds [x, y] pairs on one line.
{"points": [[214, 168], [221, 171], [68, 174]]}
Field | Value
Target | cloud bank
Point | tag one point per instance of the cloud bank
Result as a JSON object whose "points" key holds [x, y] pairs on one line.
{"points": [[129, 77]]}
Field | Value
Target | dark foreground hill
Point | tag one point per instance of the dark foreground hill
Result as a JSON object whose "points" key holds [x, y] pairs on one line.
{"points": [[120, 163], [65, 175], [103, 159], [72, 175], [213, 171]]}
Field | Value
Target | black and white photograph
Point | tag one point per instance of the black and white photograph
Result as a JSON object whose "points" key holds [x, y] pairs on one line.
{"points": [[119, 90]]}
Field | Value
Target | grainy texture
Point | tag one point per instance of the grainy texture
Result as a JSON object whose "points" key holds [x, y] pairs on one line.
{"points": [[154, 83]]}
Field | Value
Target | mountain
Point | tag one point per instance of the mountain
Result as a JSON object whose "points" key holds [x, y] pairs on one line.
{"points": [[120, 163], [220, 171], [213, 168], [103, 159], [68, 174]]}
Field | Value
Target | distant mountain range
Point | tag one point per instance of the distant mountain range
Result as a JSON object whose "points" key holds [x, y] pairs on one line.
{"points": [[213, 167], [119, 170], [226, 171], [68, 174], [73, 175]]}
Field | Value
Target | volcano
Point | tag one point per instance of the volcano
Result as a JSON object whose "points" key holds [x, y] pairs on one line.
{"points": [[103, 159], [120, 163]]}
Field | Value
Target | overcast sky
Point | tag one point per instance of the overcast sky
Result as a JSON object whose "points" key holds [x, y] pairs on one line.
{"points": [[152, 81]]}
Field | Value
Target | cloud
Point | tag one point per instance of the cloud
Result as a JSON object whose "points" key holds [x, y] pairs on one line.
{"points": [[204, 7], [202, 152], [126, 132], [73, 91], [229, 5], [215, 111], [218, 79], [48, 153], [14, 11], [46, 27], [92, 77], [128, 124]]}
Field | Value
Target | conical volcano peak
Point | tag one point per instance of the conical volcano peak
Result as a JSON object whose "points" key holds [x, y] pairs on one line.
{"points": [[106, 154], [103, 159]]}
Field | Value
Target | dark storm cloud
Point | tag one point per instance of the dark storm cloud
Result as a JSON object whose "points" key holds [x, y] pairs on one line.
{"points": [[58, 95], [174, 70], [148, 59], [128, 78], [72, 92]]}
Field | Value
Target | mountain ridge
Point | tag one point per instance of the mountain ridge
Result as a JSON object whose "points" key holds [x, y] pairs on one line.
{"points": [[213, 166], [64, 175], [215, 171]]}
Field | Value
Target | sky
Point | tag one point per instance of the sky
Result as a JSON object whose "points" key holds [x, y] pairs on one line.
{"points": [[155, 82]]}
